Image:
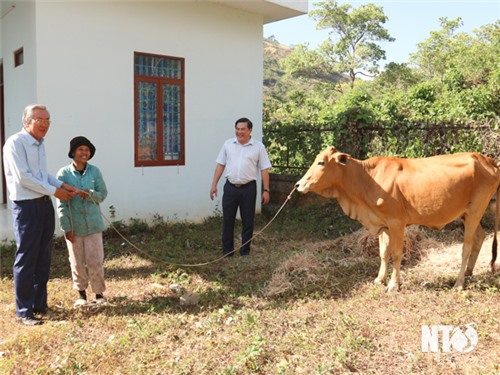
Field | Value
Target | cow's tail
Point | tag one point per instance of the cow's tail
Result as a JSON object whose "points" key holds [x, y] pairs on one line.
{"points": [[495, 242]]}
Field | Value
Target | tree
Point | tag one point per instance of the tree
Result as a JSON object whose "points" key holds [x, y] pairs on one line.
{"points": [[436, 52], [457, 58], [354, 50], [309, 65], [464, 69], [396, 76]]}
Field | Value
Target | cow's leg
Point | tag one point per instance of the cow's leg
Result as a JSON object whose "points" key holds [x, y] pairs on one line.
{"points": [[476, 248], [396, 248], [470, 226], [383, 243]]}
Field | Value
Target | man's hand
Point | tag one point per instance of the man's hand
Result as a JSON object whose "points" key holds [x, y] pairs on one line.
{"points": [[219, 168], [66, 192], [213, 192], [69, 187], [63, 194], [266, 197]]}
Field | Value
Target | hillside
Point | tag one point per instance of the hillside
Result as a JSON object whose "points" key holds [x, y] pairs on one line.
{"points": [[274, 52], [275, 78]]}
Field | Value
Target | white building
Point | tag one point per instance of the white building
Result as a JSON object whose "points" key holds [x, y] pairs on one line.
{"points": [[108, 70]]}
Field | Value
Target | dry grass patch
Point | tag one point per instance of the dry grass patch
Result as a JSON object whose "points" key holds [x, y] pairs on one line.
{"points": [[415, 245], [297, 272], [297, 305]]}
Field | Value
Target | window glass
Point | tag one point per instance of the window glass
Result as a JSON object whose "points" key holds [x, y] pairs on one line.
{"points": [[148, 139], [171, 122]]}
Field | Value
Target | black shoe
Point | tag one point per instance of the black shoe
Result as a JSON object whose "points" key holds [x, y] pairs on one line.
{"points": [[228, 253], [28, 321], [44, 311]]}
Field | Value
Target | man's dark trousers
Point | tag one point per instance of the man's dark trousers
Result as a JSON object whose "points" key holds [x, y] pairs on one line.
{"points": [[243, 197], [34, 225]]}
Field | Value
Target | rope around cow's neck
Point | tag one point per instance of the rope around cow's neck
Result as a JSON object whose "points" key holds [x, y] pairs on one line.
{"points": [[184, 264]]}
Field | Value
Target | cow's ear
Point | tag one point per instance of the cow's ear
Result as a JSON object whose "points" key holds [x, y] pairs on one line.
{"points": [[342, 158]]}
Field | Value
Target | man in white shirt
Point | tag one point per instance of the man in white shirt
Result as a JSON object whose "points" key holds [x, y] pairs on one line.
{"points": [[30, 188], [240, 160]]}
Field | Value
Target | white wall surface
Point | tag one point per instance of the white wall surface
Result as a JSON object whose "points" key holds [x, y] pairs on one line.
{"points": [[18, 31], [85, 77]]}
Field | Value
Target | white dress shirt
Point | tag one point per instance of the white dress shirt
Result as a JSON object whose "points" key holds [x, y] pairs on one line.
{"points": [[243, 162]]}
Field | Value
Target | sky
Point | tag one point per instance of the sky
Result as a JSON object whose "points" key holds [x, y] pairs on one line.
{"points": [[410, 22]]}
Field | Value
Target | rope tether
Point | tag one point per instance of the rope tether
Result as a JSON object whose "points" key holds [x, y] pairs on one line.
{"points": [[183, 264]]}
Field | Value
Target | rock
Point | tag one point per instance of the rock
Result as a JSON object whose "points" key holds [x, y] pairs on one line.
{"points": [[190, 298]]}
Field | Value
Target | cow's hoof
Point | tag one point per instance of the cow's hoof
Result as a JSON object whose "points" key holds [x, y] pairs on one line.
{"points": [[378, 281], [458, 286], [392, 287]]}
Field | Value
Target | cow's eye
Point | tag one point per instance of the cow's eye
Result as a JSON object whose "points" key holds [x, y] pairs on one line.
{"points": [[321, 163]]}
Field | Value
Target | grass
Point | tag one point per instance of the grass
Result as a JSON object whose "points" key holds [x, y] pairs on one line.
{"points": [[302, 303]]}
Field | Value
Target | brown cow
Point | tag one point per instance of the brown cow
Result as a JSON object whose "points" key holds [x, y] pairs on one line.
{"points": [[386, 194]]}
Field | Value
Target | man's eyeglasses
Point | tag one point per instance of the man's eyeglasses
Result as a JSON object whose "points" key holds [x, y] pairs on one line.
{"points": [[41, 121]]}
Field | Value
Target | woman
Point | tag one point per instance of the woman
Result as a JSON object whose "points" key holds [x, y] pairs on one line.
{"points": [[81, 221]]}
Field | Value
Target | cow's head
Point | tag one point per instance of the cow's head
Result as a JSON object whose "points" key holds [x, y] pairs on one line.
{"points": [[324, 173]]}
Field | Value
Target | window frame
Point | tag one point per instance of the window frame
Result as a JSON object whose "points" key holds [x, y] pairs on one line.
{"points": [[18, 57], [159, 81]]}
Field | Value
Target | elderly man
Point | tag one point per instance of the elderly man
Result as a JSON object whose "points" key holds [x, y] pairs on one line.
{"points": [[30, 189]]}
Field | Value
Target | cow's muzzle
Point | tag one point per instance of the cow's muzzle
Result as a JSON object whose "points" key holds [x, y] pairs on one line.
{"points": [[301, 187]]}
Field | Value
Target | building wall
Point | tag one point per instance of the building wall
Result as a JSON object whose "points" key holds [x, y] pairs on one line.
{"points": [[18, 30], [84, 74]]}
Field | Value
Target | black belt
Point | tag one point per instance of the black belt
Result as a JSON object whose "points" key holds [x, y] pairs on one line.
{"points": [[42, 198], [240, 185]]}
